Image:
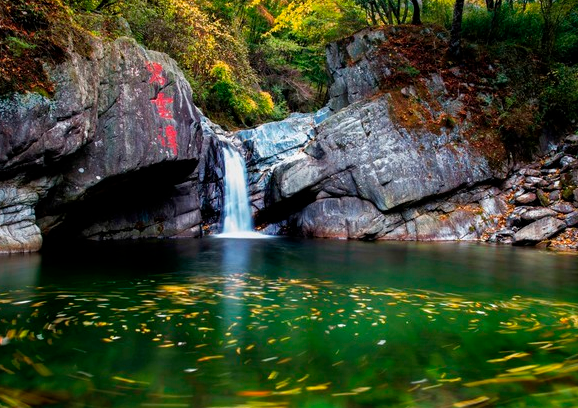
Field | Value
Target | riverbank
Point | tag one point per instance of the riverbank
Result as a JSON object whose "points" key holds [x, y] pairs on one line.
{"points": [[542, 201]]}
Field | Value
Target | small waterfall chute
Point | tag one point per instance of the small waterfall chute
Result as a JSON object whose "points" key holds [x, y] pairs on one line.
{"points": [[238, 221]]}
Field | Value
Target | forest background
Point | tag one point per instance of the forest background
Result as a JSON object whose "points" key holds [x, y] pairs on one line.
{"points": [[252, 61]]}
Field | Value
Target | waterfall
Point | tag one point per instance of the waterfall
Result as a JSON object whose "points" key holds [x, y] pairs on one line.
{"points": [[238, 222]]}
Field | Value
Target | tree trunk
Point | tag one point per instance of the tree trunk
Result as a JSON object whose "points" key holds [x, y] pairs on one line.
{"points": [[456, 33], [405, 11], [416, 17], [371, 14]]}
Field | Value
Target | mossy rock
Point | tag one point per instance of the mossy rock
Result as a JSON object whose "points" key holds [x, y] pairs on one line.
{"points": [[568, 193], [543, 198]]}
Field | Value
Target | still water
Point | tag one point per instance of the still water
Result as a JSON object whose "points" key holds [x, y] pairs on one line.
{"points": [[288, 323]]}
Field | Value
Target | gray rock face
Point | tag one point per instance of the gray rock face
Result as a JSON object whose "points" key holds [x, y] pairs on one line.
{"points": [[538, 231], [537, 213], [18, 231], [526, 198], [120, 132], [346, 217], [271, 143], [361, 153], [355, 68]]}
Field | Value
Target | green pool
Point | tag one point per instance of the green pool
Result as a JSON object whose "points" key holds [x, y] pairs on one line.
{"points": [[288, 323]]}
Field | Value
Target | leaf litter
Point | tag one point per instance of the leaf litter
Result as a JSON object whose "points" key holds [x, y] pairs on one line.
{"points": [[257, 326]]}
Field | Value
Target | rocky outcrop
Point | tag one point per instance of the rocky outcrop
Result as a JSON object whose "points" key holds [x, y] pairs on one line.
{"points": [[118, 152], [542, 207], [364, 176], [269, 144]]}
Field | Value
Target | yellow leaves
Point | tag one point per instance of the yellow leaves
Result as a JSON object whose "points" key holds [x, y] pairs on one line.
{"points": [[207, 358], [509, 357], [294, 391], [501, 380], [523, 368], [254, 393], [128, 380], [319, 387], [450, 380], [547, 368], [303, 378], [42, 370], [472, 402]]}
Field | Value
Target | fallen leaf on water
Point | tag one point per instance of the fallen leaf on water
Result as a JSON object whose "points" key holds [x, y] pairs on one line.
{"points": [[523, 368], [210, 358], [319, 387], [469, 403], [501, 380], [254, 393], [450, 380], [42, 370], [293, 391], [547, 368], [128, 380]]}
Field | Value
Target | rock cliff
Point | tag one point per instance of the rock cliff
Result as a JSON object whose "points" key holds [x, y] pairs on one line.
{"points": [[397, 159], [120, 151]]}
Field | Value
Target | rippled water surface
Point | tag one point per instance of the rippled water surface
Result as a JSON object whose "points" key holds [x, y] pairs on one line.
{"points": [[288, 323]]}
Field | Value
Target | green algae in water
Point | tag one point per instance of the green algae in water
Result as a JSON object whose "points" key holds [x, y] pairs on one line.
{"points": [[249, 341]]}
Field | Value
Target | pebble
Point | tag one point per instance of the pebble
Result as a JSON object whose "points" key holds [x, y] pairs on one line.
{"points": [[526, 198], [562, 208]]}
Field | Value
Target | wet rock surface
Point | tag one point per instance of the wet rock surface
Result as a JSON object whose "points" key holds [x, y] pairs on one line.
{"points": [[550, 220], [118, 152]]}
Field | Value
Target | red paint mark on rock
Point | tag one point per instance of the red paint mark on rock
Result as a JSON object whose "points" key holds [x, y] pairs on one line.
{"points": [[162, 103], [156, 70], [171, 134], [166, 136]]}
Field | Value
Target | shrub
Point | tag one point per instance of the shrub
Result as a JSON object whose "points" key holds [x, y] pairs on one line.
{"points": [[559, 100]]}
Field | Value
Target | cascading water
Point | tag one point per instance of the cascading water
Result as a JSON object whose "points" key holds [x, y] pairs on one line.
{"points": [[238, 222]]}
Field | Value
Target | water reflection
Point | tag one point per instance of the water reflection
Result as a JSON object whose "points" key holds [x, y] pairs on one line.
{"points": [[19, 271]]}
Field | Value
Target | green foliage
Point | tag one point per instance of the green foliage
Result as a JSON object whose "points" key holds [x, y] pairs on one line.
{"points": [[236, 102], [511, 25], [411, 71], [18, 46], [439, 12], [559, 100]]}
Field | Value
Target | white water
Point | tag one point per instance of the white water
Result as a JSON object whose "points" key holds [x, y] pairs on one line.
{"points": [[238, 221]]}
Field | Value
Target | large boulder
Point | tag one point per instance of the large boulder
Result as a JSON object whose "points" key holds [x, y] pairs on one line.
{"points": [[538, 231], [365, 176], [269, 144], [114, 154]]}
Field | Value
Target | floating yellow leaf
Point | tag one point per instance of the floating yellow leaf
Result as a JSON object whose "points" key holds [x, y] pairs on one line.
{"points": [[469, 403], [254, 393], [501, 380], [523, 368], [303, 378], [547, 368], [42, 370], [210, 358], [293, 391], [319, 387], [450, 380], [128, 380]]}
